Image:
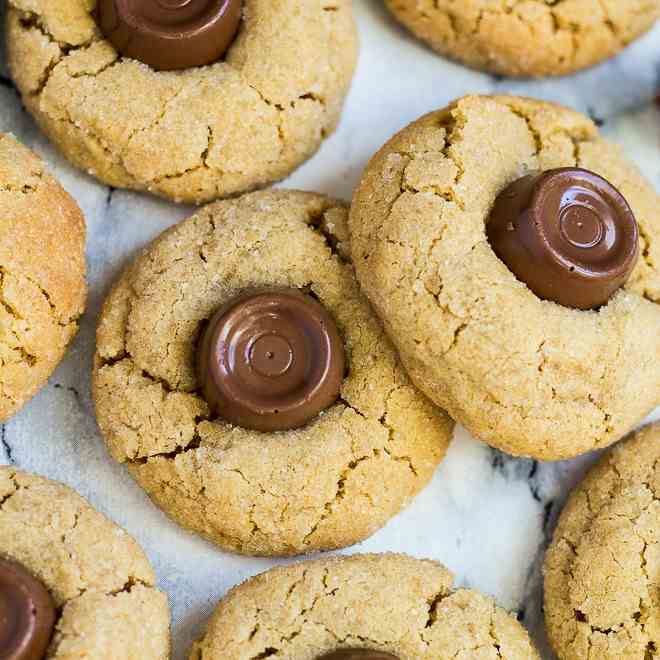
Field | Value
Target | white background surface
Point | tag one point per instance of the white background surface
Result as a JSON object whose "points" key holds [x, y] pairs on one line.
{"points": [[485, 515]]}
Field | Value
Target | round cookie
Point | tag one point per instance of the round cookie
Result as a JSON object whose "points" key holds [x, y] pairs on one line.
{"points": [[100, 580], [201, 133], [527, 37], [392, 604], [602, 571], [327, 484], [42, 274], [526, 375]]}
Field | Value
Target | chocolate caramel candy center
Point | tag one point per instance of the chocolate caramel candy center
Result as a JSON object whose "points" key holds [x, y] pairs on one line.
{"points": [[271, 360], [568, 234], [170, 34], [357, 654], [27, 614]]}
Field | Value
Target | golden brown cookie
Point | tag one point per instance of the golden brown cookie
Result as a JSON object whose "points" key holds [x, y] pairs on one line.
{"points": [[389, 603], [527, 37], [42, 274], [198, 134], [526, 375], [328, 484], [99, 578], [602, 571]]}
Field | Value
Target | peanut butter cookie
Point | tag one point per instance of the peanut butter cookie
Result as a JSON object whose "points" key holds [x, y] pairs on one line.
{"points": [[72, 583], [602, 571], [364, 607], [527, 37], [99, 80], [453, 221], [250, 388], [42, 274]]}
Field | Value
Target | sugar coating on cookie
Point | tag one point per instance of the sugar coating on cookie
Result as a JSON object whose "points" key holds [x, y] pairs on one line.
{"points": [[602, 571], [526, 375], [328, 484], [42, 274], [99, 578], [201, 133], [391, 603], [527, 37]]}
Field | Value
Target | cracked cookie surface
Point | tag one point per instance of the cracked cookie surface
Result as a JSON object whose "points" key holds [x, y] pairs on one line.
{"points": [[390, 603], [527, 37], [199, 134], [602, 571], [327, 485], [42, 274], [100, 579], [525, 375]]}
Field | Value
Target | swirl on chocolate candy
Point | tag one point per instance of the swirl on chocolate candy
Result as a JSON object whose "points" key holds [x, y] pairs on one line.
{"points": [[568, 234], [170, 34], [357, 654], [27, 614], [271, 360]]}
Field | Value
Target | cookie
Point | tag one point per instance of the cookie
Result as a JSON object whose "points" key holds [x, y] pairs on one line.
{"points": [[42, 274], [394, 606], [527, 37], [200, 133], [526, 374], [602, 571], [342, 463], [72, 579]]}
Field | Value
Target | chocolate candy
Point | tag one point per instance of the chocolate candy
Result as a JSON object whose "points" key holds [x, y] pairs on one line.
{"points": [[357, 654], [568, 234], [170, 34], [27, 614], [271, 360]]}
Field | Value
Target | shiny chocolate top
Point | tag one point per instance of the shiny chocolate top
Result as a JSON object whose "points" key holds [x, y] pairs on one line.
{"points": [[170, 34], [357, 654], [271, 360], [568, 234], [27, 614]]}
